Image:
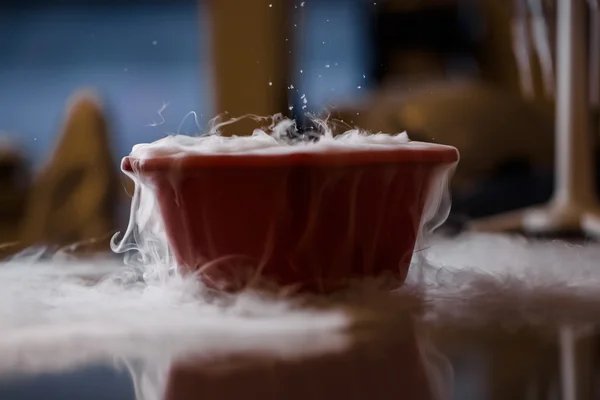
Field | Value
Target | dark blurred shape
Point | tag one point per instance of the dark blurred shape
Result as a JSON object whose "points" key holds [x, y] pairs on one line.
{"points": [[421, 39], [13, 196]]}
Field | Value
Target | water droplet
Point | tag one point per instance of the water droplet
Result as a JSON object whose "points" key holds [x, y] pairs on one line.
{"points": [[305, 100], [303, 96], [125, 69], [270, 83], [358, 87], [295, 25], [327, 20], [301, 71], [286, 39], [364, 77], [154, 43], [336, 64], [291, 86], [323, 42], [326, 65], [303, 107], [320, 76], [290, 108], [302, 4], [270, 5]]}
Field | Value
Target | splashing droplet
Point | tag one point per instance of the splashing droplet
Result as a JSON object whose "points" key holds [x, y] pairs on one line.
{"points": [[290, 87]]}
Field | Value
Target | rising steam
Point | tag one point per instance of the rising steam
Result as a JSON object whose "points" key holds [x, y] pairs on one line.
{"points": [[145, 244]]}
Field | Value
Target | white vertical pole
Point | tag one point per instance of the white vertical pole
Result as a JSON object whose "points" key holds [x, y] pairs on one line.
{"points": [[574, 186], [576, 362], [574, 204]]}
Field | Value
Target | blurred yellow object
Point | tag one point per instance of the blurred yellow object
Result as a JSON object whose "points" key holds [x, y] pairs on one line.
{"points": [[488, 124], [73, 201]]}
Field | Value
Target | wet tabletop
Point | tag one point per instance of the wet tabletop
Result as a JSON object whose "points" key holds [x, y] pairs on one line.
{"points": [[483, 317]]}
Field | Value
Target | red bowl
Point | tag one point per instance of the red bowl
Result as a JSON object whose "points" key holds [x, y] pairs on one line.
{"points": [[312, 220]]}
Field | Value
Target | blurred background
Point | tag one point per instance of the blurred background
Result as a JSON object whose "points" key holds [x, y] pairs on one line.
{"points": [[82, 81], [476, 74]]}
